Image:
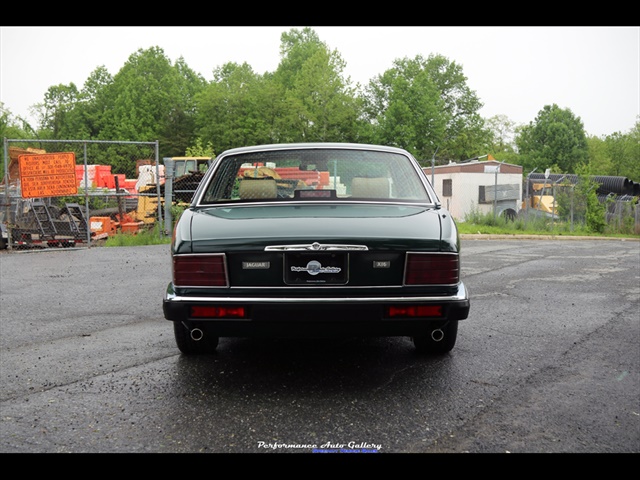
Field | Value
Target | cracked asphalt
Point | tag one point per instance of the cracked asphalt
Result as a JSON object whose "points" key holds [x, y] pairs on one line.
{"points": [[548, 362]]}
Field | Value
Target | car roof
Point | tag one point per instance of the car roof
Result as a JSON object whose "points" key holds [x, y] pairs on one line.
{"points": [[312, 146]]}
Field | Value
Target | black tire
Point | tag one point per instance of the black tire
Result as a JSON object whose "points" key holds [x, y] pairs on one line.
{"points": [[431, 343], [188, 341]]}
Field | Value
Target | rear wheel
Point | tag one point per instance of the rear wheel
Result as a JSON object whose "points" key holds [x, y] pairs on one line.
{"points": [[438, 341], [192, 340]]}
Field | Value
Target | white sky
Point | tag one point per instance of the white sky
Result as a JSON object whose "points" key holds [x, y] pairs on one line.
{"points": [[515, 71]]}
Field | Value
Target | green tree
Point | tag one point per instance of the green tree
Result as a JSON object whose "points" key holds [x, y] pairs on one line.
{"points": [[631, 168], [320, 101], [200, 150], [236, 108], [150, 99], [501, 134], [94, 102], [179, 121], [10, 127], [425, 105], [13, 127], [586, 189], [466, 134], [406, 109], [305, 99], [624, 153], [599, 159], [296, 47], [578, 203], [59, 102], [555, 140]]}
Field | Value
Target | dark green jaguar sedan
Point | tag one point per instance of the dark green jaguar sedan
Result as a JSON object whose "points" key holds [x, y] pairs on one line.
{"points": [[315, 240]]}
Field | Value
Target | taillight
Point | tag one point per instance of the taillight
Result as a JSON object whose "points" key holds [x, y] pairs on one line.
{"points": [[432, 269], [199, 270]]}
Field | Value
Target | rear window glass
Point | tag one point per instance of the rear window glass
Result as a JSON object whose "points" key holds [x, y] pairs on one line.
{"points": [[322, 174]]}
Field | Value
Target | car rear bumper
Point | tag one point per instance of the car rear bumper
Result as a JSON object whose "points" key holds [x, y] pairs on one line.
{"points": [[312, 316]]}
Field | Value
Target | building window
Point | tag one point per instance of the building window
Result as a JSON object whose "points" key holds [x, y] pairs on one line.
{"points": [[446, 187]]}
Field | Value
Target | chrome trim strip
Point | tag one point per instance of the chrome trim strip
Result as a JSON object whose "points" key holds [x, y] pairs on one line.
{"points": [[461, 295], [338, 201], [314, 247]]}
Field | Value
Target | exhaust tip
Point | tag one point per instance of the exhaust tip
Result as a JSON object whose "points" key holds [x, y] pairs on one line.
{"points": [[437, 335], [196, 334]]}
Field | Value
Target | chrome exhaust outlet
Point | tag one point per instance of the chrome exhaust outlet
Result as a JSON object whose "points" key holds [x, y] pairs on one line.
{"points": [[437, 335], [196, 334]]}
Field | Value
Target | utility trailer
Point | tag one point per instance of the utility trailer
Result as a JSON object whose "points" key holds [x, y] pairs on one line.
{"points": [[37, 224]]}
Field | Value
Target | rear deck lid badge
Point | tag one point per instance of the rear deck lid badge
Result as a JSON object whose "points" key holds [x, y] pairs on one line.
{"points": [[255, 265], [314, 268]]}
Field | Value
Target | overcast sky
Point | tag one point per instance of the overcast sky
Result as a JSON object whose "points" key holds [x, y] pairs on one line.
{"points": [[515, 71]]}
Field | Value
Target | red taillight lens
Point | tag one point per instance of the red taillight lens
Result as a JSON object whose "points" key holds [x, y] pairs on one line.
{"points": [[198, 311], [432, 269], [199, 271], [408, 311]]}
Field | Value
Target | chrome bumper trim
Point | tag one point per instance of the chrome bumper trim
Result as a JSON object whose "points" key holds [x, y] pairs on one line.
{"points": [[461, 295]]}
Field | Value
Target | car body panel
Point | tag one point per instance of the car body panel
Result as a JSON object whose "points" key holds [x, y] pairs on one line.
{"points": [[384, 227]]}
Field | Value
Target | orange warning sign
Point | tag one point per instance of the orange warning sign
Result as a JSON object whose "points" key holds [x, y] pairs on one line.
{"points": [[48, 175]]}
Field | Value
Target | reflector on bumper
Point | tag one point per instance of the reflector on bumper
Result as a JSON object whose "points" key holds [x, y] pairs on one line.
{"points": [[200, 311], [409, 311]]}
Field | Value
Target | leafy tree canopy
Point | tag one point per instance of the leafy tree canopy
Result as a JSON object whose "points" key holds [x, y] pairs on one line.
{"points": [[231, 109], [425, 105], [319, 100], [555, 140], [150, 99]]}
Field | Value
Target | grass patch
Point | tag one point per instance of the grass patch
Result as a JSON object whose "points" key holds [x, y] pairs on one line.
{"points": [[487, 224], [142, 237]]}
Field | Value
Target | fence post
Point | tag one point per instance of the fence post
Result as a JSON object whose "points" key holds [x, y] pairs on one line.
{"points": [[573, 188], [168, 193], [7, 197]]}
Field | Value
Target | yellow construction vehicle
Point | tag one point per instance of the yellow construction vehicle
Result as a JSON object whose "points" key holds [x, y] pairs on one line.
{"points": [[541, 198]]}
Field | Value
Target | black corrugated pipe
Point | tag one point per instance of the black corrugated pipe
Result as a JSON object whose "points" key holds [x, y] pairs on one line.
{"points": [[616, 185], [608, 184]]}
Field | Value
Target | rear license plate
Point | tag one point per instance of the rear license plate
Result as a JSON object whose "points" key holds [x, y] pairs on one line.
{"points": [[315, 268]]}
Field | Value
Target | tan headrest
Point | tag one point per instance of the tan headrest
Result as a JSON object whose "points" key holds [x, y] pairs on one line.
{"points": [[258, 188], [363, 187]]}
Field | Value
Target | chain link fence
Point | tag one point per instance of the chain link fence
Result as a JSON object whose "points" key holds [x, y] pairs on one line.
{"points": [[182, 177], [562, 202], [77, 193], [622, 213], [484, 194]]}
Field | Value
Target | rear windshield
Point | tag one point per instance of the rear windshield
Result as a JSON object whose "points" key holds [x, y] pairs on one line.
{"points": [[311, 175]]}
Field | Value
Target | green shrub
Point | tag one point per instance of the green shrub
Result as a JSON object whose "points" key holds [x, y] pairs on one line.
{"points": [[151, 236]]}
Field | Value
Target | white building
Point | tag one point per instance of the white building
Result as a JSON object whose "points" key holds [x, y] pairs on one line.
{"points": [[469, 187]]}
